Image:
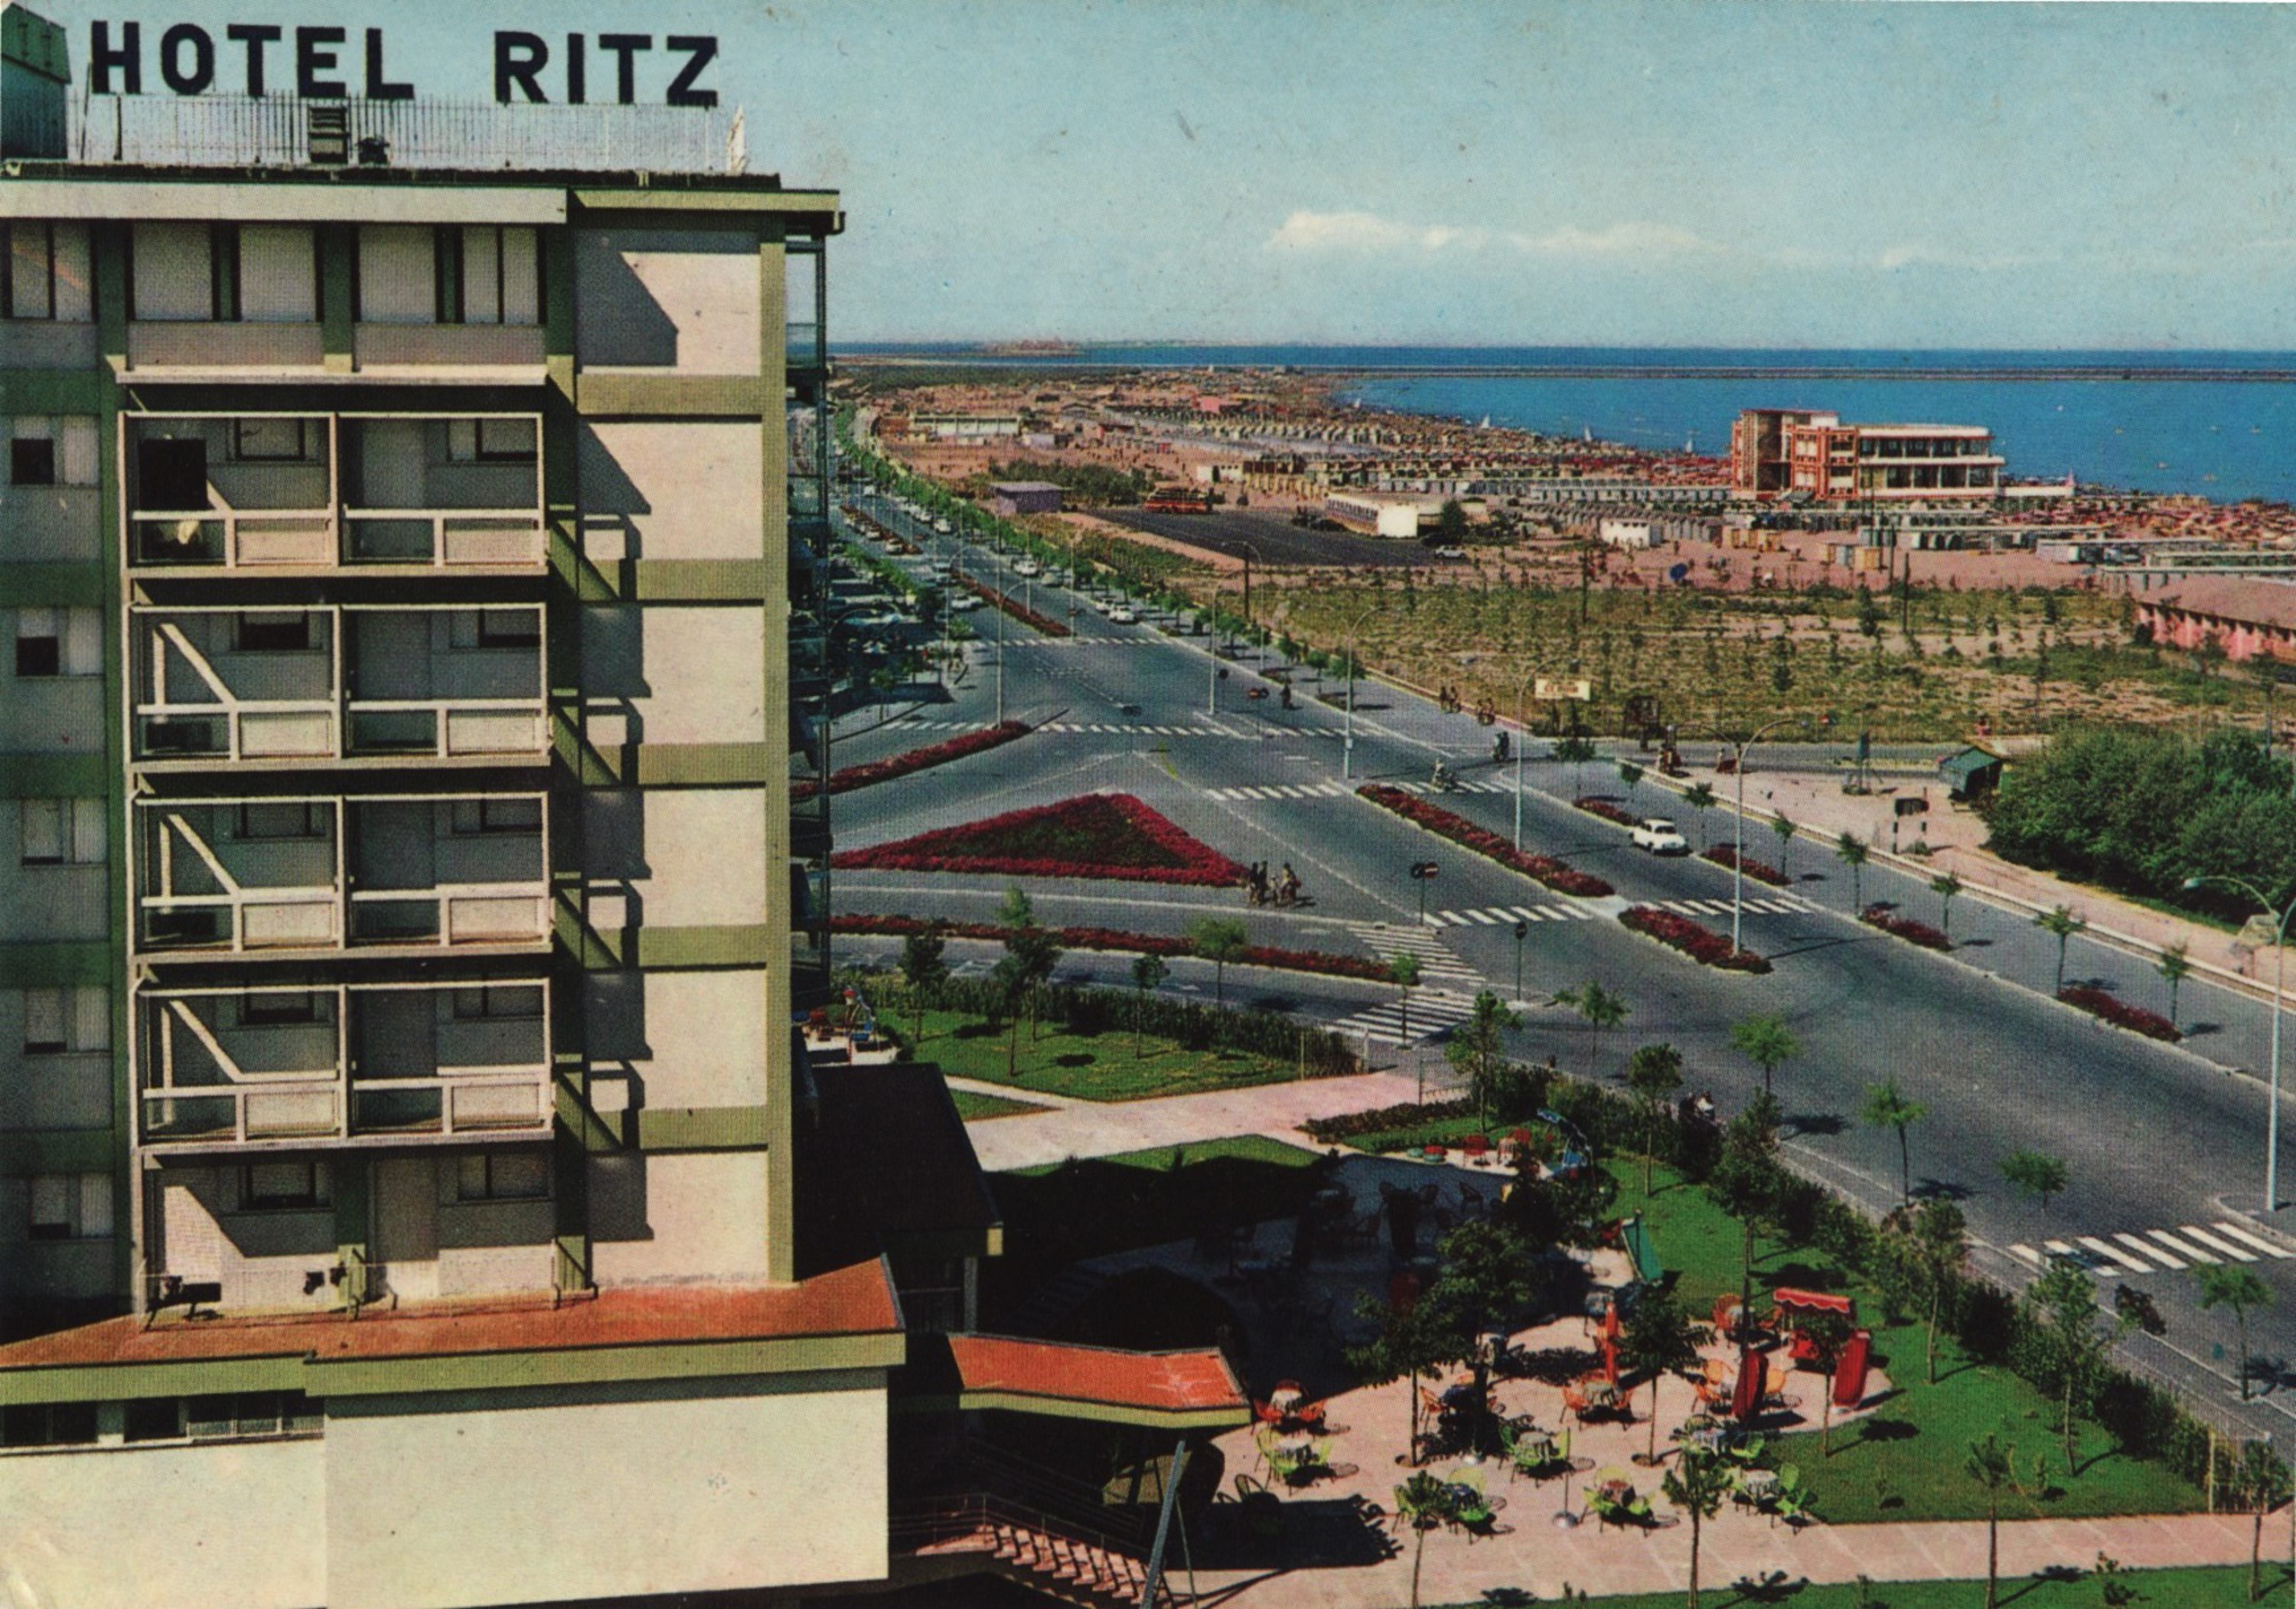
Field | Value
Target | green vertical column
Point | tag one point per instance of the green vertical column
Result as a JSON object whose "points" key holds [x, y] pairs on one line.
{"points": [[107, 247], [338, 295]]}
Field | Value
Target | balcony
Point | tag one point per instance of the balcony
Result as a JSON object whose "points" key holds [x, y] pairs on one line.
{"points": [[340, 683], [286, 876], [344, 1065], [156, 351], [269, 494]]}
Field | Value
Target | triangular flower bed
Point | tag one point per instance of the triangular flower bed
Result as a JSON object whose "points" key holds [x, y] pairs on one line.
{"points": [[1110, 835]]}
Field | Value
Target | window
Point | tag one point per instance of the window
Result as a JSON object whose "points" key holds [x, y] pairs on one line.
{"points": [[499, 1001], [172, 274], [270, 632], [62, 832], [70, 1206], [278, 274], [485, 274], [473, 817], [249, 1414], [397, 282], [279, 1009], [43, 271], [155, 1419], [48, 1424], [284, 1186], [510, 628], [32, 461], [447, 268], [270, 440], [284, 819], [503, 1175], [504, 440], [223, 273], [59, 642], [59, 1021]]}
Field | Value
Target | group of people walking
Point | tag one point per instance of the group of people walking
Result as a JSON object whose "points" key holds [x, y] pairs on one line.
{"points": [[1284, 888]]}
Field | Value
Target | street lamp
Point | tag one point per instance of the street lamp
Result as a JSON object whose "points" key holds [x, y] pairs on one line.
{"points": [[1522, 742], [2279, 981], [1348, 647], [1738, 854]]}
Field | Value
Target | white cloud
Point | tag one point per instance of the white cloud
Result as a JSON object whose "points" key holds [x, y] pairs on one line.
{"points": [[1913, 255], [1634, 238], [1368, 233]]}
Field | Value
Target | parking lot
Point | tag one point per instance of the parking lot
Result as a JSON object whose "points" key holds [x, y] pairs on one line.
{"points": [[1270, 538]]}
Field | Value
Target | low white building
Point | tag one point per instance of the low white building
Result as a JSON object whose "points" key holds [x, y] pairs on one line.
{"points": [[1630, 536], [1382, 513]]}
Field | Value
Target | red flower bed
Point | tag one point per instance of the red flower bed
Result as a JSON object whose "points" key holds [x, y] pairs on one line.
{"points": [[849, 777], [1700, 943], [1011, 605], [1605, 810], [1554, 874], [1147, 944], [1722, 854], [1904, 927], [2118, 1012], [1110, 835]]}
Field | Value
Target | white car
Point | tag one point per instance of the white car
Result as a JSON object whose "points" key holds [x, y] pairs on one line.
{"points": [[1027, 567], [943, 527], [1123, 616], [1658, 835], [964, 603]]}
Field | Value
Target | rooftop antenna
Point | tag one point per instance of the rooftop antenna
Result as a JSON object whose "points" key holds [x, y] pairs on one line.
{"points": [[737, 143]]}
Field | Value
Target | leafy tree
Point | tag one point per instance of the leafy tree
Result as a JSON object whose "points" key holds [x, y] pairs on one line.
{"points": [[1403, 971], [1991, 1465], [1786, 831], [2230, 1285], [1030, 955], [1599, 1009], [2174, 967], [1887, 1107], [1945, 886], [1478, 1049], [1414, 1340], [1744, 1181], [1661, 1337], [2035, 1173], [1629, 774], [1938, 1238], [2061, 924], [923, 969], [1147, 973], [1653, 1073], [1851, 850], [2062, 1315], [1766, 1041], [1700, 797], [1485, 1280], [1218, 939], [1697, 1485], [1451, 523], [1575, 751]]}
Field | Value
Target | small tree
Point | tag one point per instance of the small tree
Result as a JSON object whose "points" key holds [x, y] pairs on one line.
{"points": [[1786, 831], [1629, 774], [1451, 523], [1660, 1338], [1766, 1041], [1030, 955], [1989, 1465], [2061, 924], [1147, 973], [1478, 1049], [1827, 1335], [1218, 939], [2035, 1173], [1403, 971], [1696, 1486], [1887, 1107], [1744, 1181], [924, 969], [2174, 967], [1653, 1073], [1413, 1340], [1601, 1009], [1851, 850], [1945, 886], [1938, 1238], [2062, 1308], [2230, 1285], [1700, 797], [1575, 751]]}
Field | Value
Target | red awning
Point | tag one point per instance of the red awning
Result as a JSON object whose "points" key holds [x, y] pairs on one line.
{"points": [[1191, 1387], [1812, 1301]]}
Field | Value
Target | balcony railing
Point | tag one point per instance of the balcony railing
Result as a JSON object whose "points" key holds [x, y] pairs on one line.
{"points": [[315, 538], [440, 729], [458, 1104]]}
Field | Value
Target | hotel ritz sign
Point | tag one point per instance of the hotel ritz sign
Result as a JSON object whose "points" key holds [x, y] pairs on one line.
{"points": [[322, 64]]}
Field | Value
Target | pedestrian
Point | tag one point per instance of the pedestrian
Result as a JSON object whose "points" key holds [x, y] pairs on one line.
{"points": [[1289, 893]]}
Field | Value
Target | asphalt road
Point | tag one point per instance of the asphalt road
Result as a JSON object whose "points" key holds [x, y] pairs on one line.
{"points": [[2159, 1140], [1272, 538]]}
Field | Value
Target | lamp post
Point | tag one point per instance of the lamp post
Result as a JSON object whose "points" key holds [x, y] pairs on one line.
{"points": [[1522, 742], [2279, 982], [1348, 647], [1738, 853]]}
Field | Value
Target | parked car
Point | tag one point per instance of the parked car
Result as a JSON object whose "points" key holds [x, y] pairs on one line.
{"points": [[944, 527], [1658, 835], [964, 603], [1123, 615], [1027, 567]]}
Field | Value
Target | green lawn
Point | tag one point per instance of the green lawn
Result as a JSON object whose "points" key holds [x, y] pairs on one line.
{"points": [[1166, 1159], [974, 1107], [2213, 1588], [1088, 1066], [1903, 1461]]}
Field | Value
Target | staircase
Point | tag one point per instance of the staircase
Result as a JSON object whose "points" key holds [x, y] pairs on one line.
{"points": [[1029, 1548]]}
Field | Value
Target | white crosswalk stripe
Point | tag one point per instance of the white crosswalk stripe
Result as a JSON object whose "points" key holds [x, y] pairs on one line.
{"points": [[1505, 915], [1721, 908], [1311, 790], [2150, 1250], [2231, 1252], [1393, 1023], [2235, 1232]]}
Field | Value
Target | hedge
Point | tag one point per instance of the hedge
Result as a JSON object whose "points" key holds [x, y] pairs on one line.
{"points": [[1321, 962], [1724, 855], [1090, 1009], [2118, 1012], [1905, 928]]}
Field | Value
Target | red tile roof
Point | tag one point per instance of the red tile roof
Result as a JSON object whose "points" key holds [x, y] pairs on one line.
{"points": [[852, 1301], [2251, 600], [1176, 1383]]}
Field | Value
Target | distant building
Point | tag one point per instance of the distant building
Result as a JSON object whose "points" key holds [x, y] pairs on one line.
{"points": [[1785, 453], [966, 427], [1630, 535], [1381, 513], [2253, 617], [1009, 497]]}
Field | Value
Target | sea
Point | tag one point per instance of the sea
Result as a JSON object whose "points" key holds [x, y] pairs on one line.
{"points": [[2217, 425]]}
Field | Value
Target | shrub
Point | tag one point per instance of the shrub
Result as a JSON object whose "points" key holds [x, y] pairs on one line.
{"points": [[1723, 854], [849, 777], [1699, 942], [1904, 927], [1090, 1010], [1011, 605], [1320, 961], [2118, 1012], [1410, 1114], [1605, 810], [1556, 875], [1111, 836]]}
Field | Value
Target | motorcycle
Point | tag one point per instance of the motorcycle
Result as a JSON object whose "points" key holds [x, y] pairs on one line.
{"points": [[1441, 780]]}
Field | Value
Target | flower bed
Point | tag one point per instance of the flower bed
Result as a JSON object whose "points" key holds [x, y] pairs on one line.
{"points": [[850, 777], [1700, 943], [1905, 928], [1110, 835], [1320, 961], [2118, 1012], [1011, 605], [1346, 1124], [1605, 810], [1561, 878], [1722, 854]]}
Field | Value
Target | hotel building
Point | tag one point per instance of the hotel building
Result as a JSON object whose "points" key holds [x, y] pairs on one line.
{"points": [[1813, 457]]}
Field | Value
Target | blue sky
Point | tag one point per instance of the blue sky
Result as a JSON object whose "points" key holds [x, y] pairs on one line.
{"points": [[1699, 172]]}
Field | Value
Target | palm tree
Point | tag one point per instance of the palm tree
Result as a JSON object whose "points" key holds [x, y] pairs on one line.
{"points": [[1697, 1486], [2229, 1286], [2062, 925], [2174, 967], [1887, 1107], [1784, 829], [1661, 1337], [1653, 1072], [1218, 939], [1700, 797], [1766, 1042], [1147, 973], [1851, 850], [1601, 1008], [1989, 1465], [1945, 886]]}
